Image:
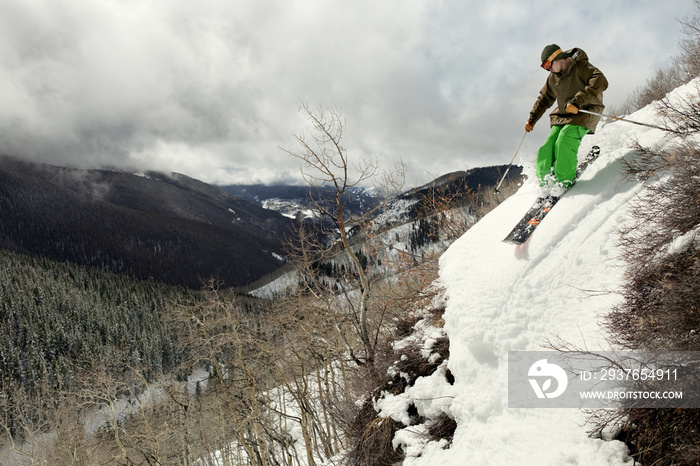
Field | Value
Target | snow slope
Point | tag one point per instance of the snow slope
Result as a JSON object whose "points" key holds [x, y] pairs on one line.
{"points": [[504, 298]]}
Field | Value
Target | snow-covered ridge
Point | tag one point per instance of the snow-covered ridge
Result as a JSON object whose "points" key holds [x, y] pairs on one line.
{"points": [[504, 298]]}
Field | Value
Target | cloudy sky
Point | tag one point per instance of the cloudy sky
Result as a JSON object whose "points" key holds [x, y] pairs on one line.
{"points": [[211, 88]]}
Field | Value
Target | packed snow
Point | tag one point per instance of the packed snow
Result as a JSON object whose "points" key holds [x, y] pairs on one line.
{"points": [[500, 298]]}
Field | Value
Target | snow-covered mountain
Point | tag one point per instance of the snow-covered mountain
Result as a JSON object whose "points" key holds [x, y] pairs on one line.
{"points": [[293, 201], [407, 227], [502, 298]]}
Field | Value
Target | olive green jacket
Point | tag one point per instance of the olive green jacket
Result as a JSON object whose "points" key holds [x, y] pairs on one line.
{"points": [[581, 84]]}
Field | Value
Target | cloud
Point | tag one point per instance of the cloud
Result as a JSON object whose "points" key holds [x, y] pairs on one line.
{"points": [[211, 88]]}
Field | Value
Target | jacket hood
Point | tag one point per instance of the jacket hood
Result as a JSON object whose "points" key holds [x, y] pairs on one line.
{"points": [[576, 55]]}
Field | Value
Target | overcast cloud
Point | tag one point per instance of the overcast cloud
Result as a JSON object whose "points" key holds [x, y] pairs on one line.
{"points": [[210, 88]]}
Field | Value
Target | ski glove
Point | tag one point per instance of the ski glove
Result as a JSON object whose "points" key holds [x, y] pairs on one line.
{"points": [[571, 108], [529, 126]]}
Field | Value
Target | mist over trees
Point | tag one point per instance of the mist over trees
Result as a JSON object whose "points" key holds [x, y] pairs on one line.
{"points": [[168, 228]]}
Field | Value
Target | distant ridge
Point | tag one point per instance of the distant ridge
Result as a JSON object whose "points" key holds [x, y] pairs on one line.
{"points": [[290, 199], [461, 182], [153, 226]]}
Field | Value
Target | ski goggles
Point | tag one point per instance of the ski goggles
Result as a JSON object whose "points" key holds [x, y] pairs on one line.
{"points": [[547, 64]]}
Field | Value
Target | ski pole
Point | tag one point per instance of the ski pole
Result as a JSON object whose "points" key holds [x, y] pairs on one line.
{"points": [[623, 119], [511, 162]]}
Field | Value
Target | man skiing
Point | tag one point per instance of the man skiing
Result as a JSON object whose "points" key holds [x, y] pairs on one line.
{"points": [[573, 83]]}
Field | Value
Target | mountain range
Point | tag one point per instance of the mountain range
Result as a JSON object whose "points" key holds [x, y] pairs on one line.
{"points": [[169, 227], [293, 201]]}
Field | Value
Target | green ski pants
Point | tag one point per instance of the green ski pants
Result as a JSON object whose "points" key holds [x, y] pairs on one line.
{"points": [[559, 153]]}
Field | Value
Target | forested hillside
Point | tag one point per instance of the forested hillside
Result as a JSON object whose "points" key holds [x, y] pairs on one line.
{"points": [[168, 228], [60, 319], [465, 187]]}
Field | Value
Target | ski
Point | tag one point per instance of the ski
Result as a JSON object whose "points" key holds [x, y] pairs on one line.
{"points": [[533, 217]]}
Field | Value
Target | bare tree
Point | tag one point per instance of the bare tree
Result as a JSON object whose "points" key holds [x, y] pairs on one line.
{"points": [[690, 43], [327, 169]]}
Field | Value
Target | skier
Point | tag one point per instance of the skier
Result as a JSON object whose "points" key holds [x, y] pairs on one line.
{"points": [[573, 83]]}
